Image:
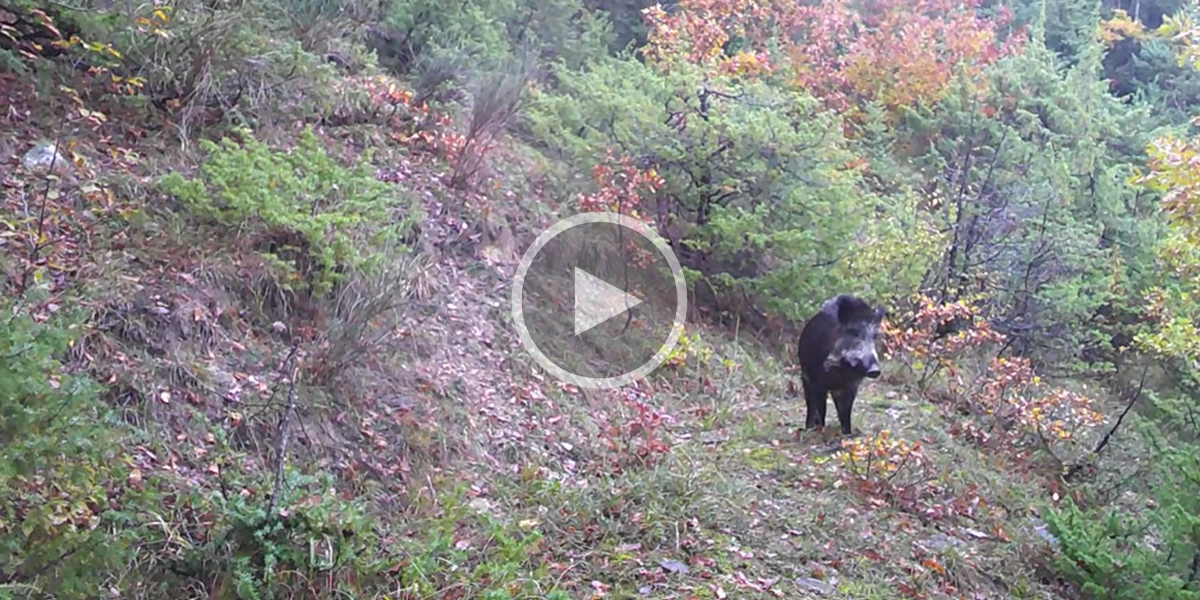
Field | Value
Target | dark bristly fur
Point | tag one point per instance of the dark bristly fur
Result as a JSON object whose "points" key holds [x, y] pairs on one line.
{"points": [[837, 351]]}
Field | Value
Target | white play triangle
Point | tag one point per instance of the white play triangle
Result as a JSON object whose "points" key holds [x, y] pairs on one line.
{"points": [[596, 301]]}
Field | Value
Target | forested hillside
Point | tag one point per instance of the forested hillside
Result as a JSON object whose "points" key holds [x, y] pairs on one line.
{"points": [[257, 255]]}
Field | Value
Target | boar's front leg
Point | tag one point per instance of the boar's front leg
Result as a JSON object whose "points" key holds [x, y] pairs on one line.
{"points": [[843, 401]]}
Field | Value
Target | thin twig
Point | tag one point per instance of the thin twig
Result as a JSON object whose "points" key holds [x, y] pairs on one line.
{"points": [[1137, 394], [37, 245], [281, 441], [1128, 406]]}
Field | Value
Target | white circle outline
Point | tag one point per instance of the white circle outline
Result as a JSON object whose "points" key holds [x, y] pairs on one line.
{"points": [[677, 326]]}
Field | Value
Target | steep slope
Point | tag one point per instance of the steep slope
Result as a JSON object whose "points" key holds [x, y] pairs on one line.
{"points": [[457, 469]]}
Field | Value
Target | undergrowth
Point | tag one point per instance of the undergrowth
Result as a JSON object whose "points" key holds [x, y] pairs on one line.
{"points": [[315, 217], [279, 362]]}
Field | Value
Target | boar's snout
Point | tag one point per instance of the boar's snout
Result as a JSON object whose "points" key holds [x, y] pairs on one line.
{"points": [[867, 366], [870, 366]]}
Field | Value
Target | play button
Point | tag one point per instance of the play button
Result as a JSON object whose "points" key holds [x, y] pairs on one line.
{"points": [[596, 301], [599, 300]]}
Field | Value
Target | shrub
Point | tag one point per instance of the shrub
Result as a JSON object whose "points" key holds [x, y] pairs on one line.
{"points": [[202, 63], [632, 437], [1018, 403], [361, 316], [949, 343], [882, 465], [256, 547], [302, 204], [1144, 552], [497, 98], [60, 471], [928, 350], [760, 195], [486, 32]]}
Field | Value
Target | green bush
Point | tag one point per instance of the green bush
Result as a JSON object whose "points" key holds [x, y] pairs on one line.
{"points": [[262, 550], [760, 181], [489, 32], [208, 63], [61, 534], [1030, 181], [511, 565], [1150, 551], [310, 208]]}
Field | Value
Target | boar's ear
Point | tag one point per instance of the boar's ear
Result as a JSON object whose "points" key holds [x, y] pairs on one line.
{"points": [[880, 314], [842, 308], [833, 308]]}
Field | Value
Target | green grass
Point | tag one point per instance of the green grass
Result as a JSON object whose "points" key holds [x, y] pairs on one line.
{"points": [[472, 474]]}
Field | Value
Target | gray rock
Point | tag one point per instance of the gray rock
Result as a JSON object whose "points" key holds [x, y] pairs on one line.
{"points": [[815, 586], [939, 543], [40, 157], [673, 566], [1039, 527]]}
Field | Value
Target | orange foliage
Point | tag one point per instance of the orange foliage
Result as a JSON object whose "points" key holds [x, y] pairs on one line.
{"points": [[881, 462], [1009, 392], [636, 440], [925, 353], [1119, 27], [896, 53], [415, 126], [699, 29], [622, 187], [1006, 391]]}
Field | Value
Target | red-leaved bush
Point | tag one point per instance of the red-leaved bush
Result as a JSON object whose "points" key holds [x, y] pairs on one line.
{"points": [[925, 354]]}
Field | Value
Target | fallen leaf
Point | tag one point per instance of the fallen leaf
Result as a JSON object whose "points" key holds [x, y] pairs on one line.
{"points": [[933, 565]]}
